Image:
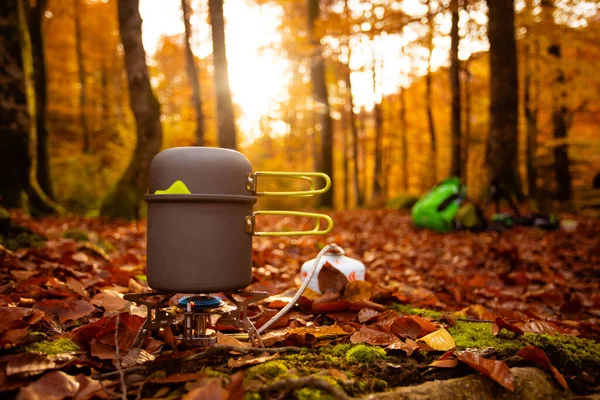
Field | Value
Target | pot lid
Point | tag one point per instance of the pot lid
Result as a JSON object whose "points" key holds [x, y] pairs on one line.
{"points": [[199, 170]]}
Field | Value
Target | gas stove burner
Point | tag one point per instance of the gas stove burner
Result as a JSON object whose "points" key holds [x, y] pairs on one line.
{"points": [[197, 311], [200, 303]]}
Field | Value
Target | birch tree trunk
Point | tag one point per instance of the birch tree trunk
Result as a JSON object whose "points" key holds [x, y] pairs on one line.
{"points": [[124, 201]]}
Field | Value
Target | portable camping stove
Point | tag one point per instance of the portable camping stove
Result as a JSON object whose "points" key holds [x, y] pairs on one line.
{"points": [[197, 311]]}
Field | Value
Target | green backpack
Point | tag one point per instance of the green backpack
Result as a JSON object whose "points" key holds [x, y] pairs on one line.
{"points": [[437, 209]]}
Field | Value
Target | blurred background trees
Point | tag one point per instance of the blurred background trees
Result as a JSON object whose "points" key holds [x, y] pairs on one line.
{"points": [[386, 96]]}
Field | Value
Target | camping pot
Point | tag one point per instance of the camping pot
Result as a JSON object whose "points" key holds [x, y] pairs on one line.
{"points": [[201, 222], [352, 268]]}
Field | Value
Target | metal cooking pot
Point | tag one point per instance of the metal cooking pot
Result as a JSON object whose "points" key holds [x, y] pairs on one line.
{"points": [[201, 222]]}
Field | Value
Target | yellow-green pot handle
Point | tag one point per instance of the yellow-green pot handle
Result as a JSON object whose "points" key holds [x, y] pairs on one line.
{"points": [[251, 223], [252, 183]]}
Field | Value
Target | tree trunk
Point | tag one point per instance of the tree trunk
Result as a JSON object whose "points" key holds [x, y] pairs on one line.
{"points": [[560, 112], [360, 199], [345, 159], [124, 201], [456, 167], [36, 16], [225, 115], [403, 138], [82, 90], [531, 110], [467, 135], [378, 164], [192, 72], [17, 129], [429, 105], [321, 101], [502, 143]]}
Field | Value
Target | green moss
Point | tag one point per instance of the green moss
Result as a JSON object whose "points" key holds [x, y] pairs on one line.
{"points": [[567, 351], [160, 374], [214, 374], [22, 239], [379, 385], [405, 309], [564, 351], [59, 346], [79, 235], [269, 370], [106, 246], [479, 335], [340, 350], [141, 278], [312, 394], [4, 214], [363, 353], [252, 396]]}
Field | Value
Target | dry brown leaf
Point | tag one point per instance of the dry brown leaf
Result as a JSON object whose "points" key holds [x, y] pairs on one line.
{"points": [[235, 388], [28, 363], [367, 314], [212, 391], [500, 324], [55, 385], [331, 279], [373, 337], [538, 327], [412, 327], [323, 331], [65, 310], [229, 340], [496, 370], [110, 300], [409, 346], [539, 357], [77, 287], [251, 360], [358, 291], [445, 363]]}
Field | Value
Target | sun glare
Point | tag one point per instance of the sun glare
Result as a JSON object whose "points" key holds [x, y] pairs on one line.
{"points": [[258, 71]]}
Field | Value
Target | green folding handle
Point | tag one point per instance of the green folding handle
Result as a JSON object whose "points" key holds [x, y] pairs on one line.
{"points": [[251, 223], [252, 183]]}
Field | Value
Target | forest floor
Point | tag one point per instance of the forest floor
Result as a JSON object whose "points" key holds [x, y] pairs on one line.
{"points": [[434, 307]]}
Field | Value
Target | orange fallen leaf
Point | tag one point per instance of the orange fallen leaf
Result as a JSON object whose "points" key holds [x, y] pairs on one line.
{"points": [[496, 370]]}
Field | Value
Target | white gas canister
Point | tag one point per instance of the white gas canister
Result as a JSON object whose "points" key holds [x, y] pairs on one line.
{"points": [[352, 268]]}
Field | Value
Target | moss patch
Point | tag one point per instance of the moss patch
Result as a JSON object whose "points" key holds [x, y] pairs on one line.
{"points": [[405, 309], [312, 394], [79, 235], [363, 354], [269, 370], [58, 346], [15, 241]]}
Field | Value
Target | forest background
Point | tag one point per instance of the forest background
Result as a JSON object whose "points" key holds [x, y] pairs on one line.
{"points": [[387, 96]]}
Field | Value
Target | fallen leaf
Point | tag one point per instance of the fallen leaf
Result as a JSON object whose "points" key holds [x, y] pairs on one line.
{"points": [[229, 340], [373, 337], [87, 387], [331, 279], [412, 327], [447, 363], [408, 346], [235, 388], [55, 385], [537, 327], [500, 324], [324, 331], [110, 300], [179, 378], [65, 310], [212, 391], [539, 357], [439, 340], [136, 356], [496, 370], [366, 314], [357, 291], [77, 287], [28, 363], [251, 360]]}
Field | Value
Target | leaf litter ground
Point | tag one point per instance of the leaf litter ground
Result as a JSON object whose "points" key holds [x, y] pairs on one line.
{"points": [[434, 306]]}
